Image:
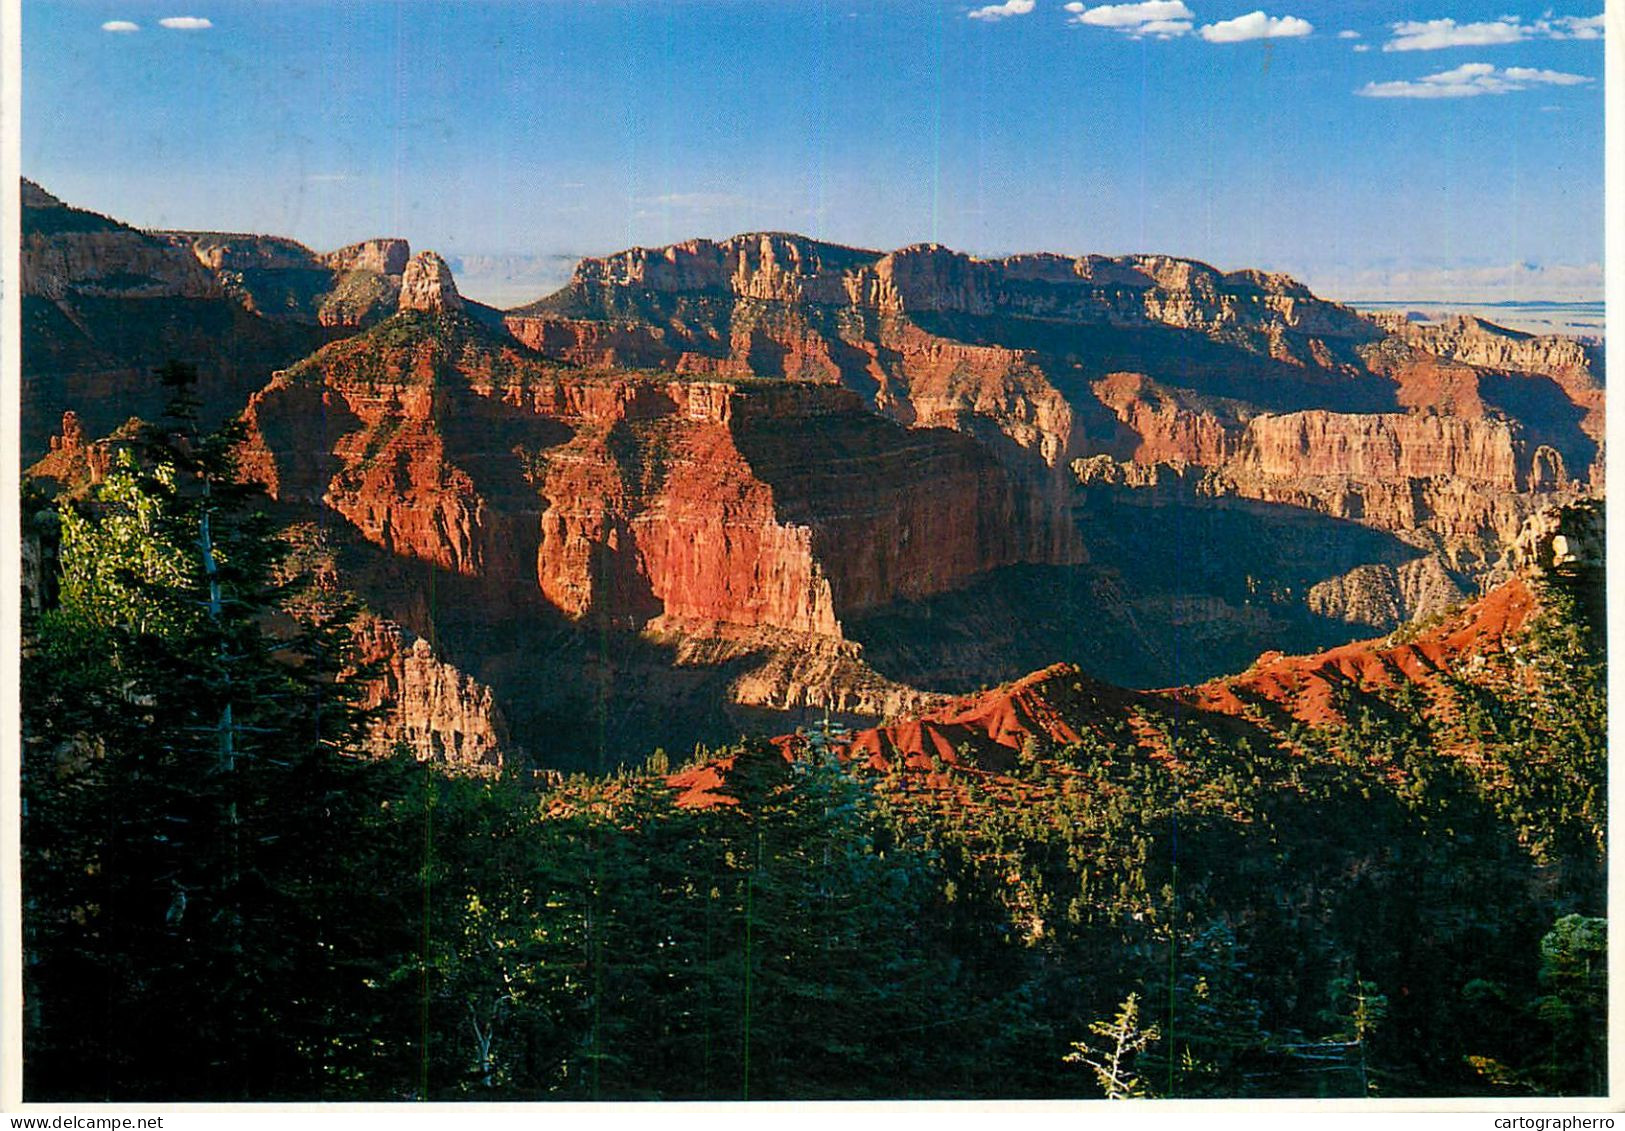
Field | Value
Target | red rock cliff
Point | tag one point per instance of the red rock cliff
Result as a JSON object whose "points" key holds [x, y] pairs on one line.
{"points": [[678, 501]]}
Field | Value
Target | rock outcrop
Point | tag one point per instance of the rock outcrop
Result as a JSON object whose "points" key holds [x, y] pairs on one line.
{"points": [[1381, 595], [427, 285], [70, 254], [1030, 733], [1562, 539], [431, 708], [105, 304], [380, 257], [1446, 434]]}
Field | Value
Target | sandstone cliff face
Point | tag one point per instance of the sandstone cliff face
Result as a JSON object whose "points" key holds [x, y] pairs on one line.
{"points": [[436, 711], [1562, 539], [828, 435], [380, 256], [780, 506], [67, 253], [1136, 290], [1381, 596], [1459, 483], [1466, 338], [281, 279], [726, 526], [791, 673], [1389, 446], [104, 304]]}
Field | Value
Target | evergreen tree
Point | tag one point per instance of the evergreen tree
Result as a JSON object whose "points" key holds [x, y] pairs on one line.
{"points": [[202, 921], [1112, 1059]]}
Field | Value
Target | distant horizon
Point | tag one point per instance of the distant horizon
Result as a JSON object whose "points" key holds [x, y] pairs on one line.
{"points": [[488, 286]]}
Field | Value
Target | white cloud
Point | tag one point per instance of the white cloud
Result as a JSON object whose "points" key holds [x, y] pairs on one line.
{"points": [[186, 23], [1469, 81], [1164, 19], [1362, 48], [697, 201], [1348, 35], [1555, 78], [1164, 29], [1256, 25], [1433, 35], [1577, 27], [1436, 35], [120, 26], [1002, 11]]}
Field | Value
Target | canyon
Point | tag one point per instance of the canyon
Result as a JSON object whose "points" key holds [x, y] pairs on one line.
{"points": [[736, 486]]}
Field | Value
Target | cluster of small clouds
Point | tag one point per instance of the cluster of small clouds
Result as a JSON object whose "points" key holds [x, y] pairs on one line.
{"points": [[1167, 19], [1436, 35], [174, 23], [1170, 19], [1471, 80]]}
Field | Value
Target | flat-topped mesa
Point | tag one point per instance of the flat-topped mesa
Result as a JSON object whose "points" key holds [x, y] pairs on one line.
{"points": [[385, 256], [427, 285], [1096, 289], [771, 265]]}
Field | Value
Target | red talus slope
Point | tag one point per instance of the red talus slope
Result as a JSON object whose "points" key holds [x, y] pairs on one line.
{"points": [[1054, 706], [1308, 686], [1059, 706]]}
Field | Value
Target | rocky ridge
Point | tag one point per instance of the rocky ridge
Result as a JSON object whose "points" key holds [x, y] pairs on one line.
{"points": [[1061, 706], [1149, 359], [732, 461]]}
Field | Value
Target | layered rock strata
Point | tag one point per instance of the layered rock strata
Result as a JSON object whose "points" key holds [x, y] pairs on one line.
{"points": [[641, 501]]}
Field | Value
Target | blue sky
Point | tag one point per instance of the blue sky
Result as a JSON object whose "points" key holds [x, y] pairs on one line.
{"points": [[1451, 144]]}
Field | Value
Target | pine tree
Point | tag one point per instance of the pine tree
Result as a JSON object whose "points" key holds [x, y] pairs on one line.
{"points": [[201, 919]]}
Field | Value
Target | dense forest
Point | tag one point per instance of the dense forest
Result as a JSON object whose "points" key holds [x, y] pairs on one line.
{"points": [[223, 899]]}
